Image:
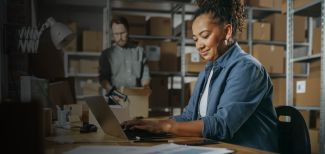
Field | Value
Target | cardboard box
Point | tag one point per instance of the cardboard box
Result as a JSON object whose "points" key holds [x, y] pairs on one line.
{"points": [[159, 96], [308, 92], [74, 66], [89, 66], [278, 27], [159, 26], [314, 69], [300, 27], [137, 24], [277, 4], [72, 46], [194, 62], [242, 36], [135, 19], [316, 46], [314, 140], [168, 57], [261, 31], [261, 3], [138, 101], [271, 56], [137, 30], [188, 29], [279, 91], [90, 88], [92, 41]]}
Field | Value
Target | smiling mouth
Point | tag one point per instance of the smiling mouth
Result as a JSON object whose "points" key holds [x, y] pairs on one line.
{"points": [[204, 53]]}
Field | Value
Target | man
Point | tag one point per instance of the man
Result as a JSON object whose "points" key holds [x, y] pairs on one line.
{"points": [[123, 64]]}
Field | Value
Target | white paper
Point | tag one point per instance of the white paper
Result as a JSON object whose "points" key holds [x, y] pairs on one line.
{"points": [[183, 149], [159, 149]]}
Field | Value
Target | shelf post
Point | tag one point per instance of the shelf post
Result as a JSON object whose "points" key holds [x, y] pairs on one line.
{"points": [[289, 54], [250, 30], [183, 69], [322, 99]]}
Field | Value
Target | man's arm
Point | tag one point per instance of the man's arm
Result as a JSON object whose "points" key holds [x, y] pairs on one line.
{"points": [[145, 80], [106, 85], [104, 72]]}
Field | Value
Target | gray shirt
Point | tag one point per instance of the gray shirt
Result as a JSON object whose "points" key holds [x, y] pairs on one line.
{"points": [[123, 67]]}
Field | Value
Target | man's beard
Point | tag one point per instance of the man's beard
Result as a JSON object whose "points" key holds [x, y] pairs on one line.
{"points": [[121, 43]]}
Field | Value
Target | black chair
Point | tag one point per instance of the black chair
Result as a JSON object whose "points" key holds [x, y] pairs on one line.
{"points": [[293, 135]]}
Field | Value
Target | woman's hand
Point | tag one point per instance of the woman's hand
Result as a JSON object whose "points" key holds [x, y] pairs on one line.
{"points": [[154, 126]]}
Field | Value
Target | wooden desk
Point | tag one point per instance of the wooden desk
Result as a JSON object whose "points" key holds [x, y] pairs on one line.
{"points": [[72, 139]]}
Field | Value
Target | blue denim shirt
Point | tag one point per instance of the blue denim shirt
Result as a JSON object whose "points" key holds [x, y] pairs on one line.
{"points": [[240, 109]]}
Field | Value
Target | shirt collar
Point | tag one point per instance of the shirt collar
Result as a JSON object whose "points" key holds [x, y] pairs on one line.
{"points": [[121, 48]]}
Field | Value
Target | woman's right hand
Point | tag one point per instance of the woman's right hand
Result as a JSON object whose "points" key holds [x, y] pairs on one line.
{"points": [[154, 126]]}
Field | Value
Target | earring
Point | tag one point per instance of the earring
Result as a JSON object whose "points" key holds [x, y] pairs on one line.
{"points": [[226, 42]]}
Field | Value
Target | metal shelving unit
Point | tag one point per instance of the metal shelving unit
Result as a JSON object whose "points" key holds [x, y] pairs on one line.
{"points": [[81, 55], [315, 8], [260, 13], [176, 7]]}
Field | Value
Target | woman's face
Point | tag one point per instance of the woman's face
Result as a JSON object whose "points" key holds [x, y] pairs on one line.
{"points": [[207, 35]]}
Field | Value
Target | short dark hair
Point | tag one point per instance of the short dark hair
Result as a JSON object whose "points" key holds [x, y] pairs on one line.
{"points": [[223, 11], [120, 20]]}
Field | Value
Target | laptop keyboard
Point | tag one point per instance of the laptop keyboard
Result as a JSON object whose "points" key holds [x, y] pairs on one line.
{"points": [[138, 134]]}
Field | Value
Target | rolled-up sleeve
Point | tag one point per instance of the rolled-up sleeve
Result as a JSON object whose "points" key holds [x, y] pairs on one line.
{"points": [[244, 90], [104, 67]]}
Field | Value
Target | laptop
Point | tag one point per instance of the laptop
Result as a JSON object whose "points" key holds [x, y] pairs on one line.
{"points": [[111, 125]]}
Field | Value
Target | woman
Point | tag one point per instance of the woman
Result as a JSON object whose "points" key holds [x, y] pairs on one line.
{"points": [[232, 100]]}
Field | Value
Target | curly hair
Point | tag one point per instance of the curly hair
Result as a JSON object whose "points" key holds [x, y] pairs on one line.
{"points": [[223, 11]]}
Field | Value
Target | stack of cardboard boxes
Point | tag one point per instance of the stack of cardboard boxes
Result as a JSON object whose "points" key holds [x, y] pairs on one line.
{"points": [[137, 24]]}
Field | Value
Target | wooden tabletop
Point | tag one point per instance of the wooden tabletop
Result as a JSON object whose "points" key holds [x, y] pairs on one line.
{"points": [[64, 140]]}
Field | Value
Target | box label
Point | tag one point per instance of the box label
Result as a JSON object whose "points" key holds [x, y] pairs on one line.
{"points": [[195, 57], [301, 87], [152, 52]]}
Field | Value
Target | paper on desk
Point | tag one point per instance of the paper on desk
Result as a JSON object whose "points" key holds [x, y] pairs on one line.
{"points": [[183, 149], [159, 149]]}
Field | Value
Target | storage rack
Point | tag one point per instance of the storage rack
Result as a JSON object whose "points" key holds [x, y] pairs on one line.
{"points": [[315, 8], [177, 7]]}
